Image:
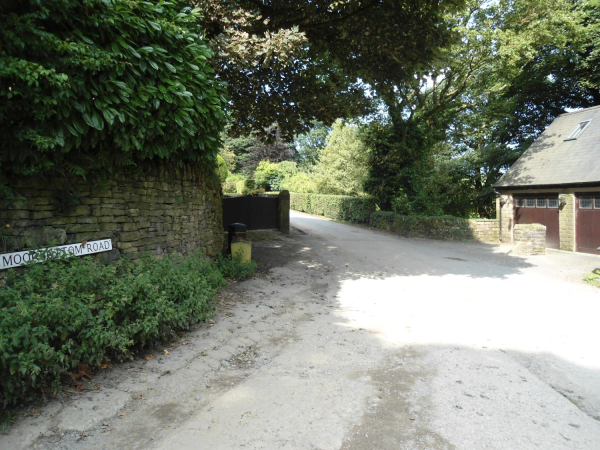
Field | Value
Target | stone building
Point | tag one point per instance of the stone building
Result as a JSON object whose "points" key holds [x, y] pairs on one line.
{"points": [[556, 183]]}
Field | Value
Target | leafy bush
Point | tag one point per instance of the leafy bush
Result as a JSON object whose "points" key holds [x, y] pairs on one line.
{"points": [[228, 187], [244, 187], [222, 170], [65, 312], [270, 176], [340, 207], [235, 177], [100, 84], [301, 183], [232, 267]]}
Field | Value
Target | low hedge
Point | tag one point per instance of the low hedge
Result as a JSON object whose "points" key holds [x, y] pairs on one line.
{"points": [[61, 313], [339, 207], [438, 227]]}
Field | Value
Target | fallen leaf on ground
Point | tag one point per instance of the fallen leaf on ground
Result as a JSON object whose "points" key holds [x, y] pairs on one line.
{"points": [[103, 366], [149, 358], [121, 414], [74, 376], [166, 351], [83, 368], [36, 412], [80, 387], [97, 387]]}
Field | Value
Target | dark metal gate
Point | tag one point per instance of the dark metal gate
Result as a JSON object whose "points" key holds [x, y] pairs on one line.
{"points": [[260, 212]]}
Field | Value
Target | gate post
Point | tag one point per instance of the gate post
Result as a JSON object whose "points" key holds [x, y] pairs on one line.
{"points": [[283, 213]]}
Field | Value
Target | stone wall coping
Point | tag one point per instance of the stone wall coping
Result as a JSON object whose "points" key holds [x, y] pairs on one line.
{"points": [[530, 227]]}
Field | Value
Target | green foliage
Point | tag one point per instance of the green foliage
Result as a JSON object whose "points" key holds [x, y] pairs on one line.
{"points": [[339, 207], [296, 61], [309, 145], [245, 186], [63, 312], [342, 167], [228, 187], [222, 170], [300, 182], [270, 176], [229, 156], [98, 84], [434, 227], [399, 166], [250, 150], [232, 267], [593, 278], [459, 122]]}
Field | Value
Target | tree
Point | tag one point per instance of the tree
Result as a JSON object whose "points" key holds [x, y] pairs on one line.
{"points": [[309, 145], [250, 150], [342, 166], [494, 91], [97, 84], [291, 62]]}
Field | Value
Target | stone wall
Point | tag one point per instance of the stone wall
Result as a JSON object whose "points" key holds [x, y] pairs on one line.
{"points": [[506, 216], [158, 209], [566, 223], [530, 239], [447, 228], [485, 230]]}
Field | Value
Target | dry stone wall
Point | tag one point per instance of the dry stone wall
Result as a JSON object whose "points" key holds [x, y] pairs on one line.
{"points": [[445, 227], [158, 209], [530, 239]]}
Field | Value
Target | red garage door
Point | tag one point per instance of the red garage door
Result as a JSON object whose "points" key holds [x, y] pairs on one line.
{"points": [[588, 222], [542, 208]]}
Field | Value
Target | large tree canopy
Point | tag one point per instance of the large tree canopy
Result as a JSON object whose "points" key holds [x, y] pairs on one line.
{"points": [[454, 127], [292, 62], [90, 84]]}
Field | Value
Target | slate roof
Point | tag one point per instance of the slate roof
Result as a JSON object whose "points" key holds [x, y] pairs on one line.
{"points": [[551, 160]]}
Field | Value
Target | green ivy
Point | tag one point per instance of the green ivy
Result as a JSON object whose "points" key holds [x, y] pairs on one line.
{"points": [[99, 84]]}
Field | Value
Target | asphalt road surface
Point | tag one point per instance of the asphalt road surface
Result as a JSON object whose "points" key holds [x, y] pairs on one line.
{"points": [[360, 339]]}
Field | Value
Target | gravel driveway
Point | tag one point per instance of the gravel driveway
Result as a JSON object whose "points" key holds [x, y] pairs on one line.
{"points": [[359, 339]]}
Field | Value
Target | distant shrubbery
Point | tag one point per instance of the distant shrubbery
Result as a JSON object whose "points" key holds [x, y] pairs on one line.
{"points": [[271, 176], [222, 170], [301, 183], [65, 312], [340, 207]]}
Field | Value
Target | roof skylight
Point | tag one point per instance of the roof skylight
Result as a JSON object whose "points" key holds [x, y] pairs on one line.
{"points": [[579, 129]]}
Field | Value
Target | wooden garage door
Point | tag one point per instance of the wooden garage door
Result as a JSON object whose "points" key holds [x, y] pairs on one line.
{"points": [[587, 221], [542, 208]]}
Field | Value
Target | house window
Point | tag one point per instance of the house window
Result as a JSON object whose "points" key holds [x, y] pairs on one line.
{"points": [[579, 129], [540, 202], [552, 202], [520, 202], [585, 202], [596, 202], [530, 202]]}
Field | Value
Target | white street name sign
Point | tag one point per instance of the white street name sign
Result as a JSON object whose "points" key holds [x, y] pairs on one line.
{"points": [[16, 259]]}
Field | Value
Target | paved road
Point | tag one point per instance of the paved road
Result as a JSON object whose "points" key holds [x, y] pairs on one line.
{"points": [[506, 349], [359, 339]]}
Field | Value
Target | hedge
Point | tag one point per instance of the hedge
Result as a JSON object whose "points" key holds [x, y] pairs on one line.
{"points": [[62, 313], [340, 207], [435, 227]]}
